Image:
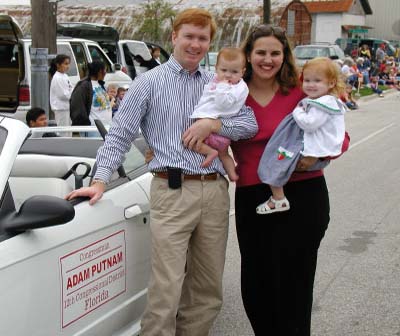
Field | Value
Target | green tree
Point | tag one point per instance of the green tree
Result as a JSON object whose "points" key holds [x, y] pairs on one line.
{"points": [[158, 16]]}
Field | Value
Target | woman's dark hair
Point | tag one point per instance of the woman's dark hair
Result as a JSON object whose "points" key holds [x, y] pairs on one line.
{"points": [[95, 67], [287, 77], [58, 60]]}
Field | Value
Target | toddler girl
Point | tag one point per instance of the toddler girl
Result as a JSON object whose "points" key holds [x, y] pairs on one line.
{"points": [[314, 129]]}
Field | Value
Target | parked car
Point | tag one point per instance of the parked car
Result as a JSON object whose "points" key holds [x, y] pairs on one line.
{"points": [[68, 268], [15, 66], [128, 53], [303, 53]]}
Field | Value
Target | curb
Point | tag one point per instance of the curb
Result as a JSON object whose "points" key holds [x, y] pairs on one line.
{"points": [[373, 96]]}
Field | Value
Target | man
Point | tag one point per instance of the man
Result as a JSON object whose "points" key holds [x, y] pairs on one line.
{"points": [[155, 53], [380, 54], [189, 204], [36, 117]]}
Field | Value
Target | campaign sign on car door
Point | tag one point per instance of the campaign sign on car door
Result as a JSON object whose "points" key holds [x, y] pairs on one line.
{"points": [[92, 276]]}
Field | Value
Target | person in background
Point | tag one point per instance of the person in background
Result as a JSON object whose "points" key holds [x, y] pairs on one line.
{"points": [[363, 66], [364, 52], [347, 97], [397, 53], [189, 205], [354, 53], [36, 117], [149, 64], [279, 251], [120, 95], [380, 54], [349, 72], [155, 53], [374, 85], [89, 99], [112, 90], [60, 91]]}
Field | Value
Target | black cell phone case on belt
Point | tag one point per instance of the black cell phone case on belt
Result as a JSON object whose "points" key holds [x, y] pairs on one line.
{"points": [[174, 178]]}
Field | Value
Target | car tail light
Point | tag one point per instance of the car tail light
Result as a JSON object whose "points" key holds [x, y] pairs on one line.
{"points": [[24, 95], [124, 69]]}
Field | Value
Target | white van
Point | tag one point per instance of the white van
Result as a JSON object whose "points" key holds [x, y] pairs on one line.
{"points": [[15, 66], [123, 52]]}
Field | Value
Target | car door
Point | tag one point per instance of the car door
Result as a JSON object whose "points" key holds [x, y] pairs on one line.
{"points": [[81, 58], [112, 77], [88, 276], [137, 49]]}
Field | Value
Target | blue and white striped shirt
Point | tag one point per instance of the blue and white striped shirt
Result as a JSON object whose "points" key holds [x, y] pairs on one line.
{"points": [[161, 102]]}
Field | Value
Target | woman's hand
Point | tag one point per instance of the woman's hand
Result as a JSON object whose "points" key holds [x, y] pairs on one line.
{"points": [[305, 163], [201, 129]]}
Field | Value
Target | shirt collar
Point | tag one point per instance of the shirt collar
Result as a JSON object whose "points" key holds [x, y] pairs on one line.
{"points": [[178, 69]]}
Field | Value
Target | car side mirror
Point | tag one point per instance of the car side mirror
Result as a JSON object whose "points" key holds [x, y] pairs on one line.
{"points": [[39, 212], [334, 57]]}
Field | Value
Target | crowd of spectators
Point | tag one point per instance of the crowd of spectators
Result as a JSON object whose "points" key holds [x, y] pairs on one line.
{"points": [[366, 69]]}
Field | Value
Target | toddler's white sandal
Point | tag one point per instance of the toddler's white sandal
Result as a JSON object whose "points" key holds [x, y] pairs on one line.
{"points": [[280, 205]]}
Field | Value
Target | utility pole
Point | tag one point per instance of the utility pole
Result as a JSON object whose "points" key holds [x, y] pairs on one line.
{"points": [[267, 11], [44, 34]]}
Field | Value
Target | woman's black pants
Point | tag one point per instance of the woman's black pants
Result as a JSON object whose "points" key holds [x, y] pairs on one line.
{"points": [[279, 256]]}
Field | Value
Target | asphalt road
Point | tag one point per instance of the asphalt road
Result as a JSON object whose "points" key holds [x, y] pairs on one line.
{"points": [[357, 289]]}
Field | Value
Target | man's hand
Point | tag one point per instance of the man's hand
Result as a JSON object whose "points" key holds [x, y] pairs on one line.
{"points": [[305, 163], [201, 129], [94, 192], [148, 155]]}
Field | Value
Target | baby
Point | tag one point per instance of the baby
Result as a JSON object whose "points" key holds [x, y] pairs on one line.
{"points": [[223, 97]]}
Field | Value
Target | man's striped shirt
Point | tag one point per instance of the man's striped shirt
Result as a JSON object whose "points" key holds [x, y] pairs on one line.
{"points": [[160, 102]]}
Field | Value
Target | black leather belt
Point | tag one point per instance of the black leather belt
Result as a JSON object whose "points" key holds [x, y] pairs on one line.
{"points": [[198, 177]]}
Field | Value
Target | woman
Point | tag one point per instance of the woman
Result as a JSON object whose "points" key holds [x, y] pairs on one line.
{"points": [[364, 51], [89, 100], [279, 251], [60, 90]]}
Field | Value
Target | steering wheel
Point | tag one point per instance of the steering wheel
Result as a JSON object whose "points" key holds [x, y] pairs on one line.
{"points": [[78, 178]]}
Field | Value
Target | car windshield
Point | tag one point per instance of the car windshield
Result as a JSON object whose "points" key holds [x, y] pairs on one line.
{"points": [[310, 52]]}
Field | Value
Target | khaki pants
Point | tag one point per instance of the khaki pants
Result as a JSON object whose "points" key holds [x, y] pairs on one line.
{"points": [[189, 233]]}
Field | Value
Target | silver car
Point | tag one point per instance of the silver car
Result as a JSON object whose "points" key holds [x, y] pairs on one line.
{"points": [[304, 53]]}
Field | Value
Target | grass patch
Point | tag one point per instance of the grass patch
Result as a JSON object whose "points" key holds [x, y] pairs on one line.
{"points": [[366, 91]]}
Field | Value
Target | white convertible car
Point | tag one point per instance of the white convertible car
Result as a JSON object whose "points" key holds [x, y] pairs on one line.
{"points": [[68, 268]]}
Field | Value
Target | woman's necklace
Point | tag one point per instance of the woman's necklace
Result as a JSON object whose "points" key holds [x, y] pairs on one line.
{"points": [[263, 95]]}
